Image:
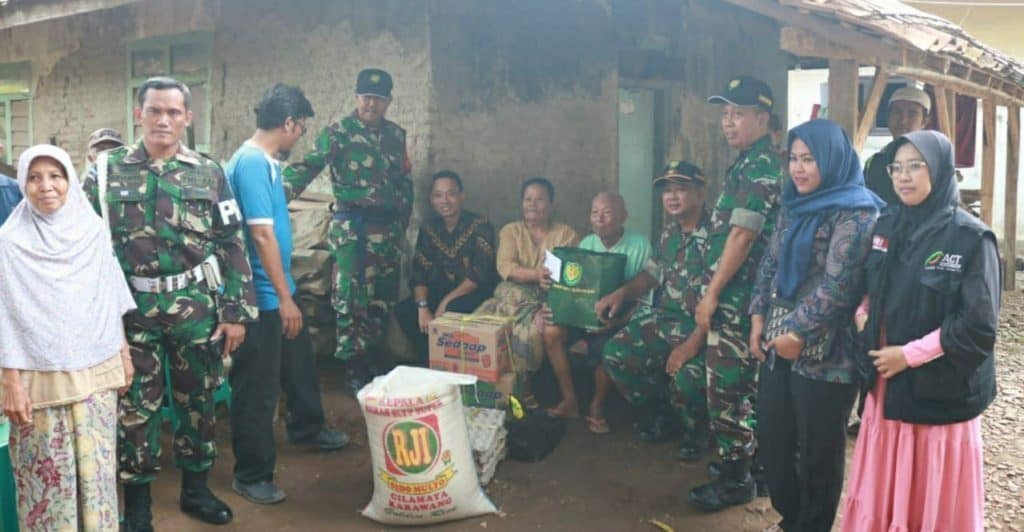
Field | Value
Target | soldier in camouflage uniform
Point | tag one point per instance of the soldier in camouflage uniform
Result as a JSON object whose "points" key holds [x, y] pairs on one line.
{"points": [[177, 234], [369, 176], [741, 222], [657, 359]]}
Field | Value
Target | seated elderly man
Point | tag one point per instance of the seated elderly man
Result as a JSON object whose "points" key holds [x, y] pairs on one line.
{"points": [[607, 216], [453, 266]]}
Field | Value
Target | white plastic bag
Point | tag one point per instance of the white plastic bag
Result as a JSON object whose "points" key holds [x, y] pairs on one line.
{"points": [[423, 469]]}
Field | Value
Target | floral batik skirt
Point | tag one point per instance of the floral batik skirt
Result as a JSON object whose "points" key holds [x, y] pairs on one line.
{"points": [[521, 302], [65, 466]]}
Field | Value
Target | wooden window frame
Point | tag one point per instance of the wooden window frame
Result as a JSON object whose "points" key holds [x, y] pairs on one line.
{"points": [[164, 45]]}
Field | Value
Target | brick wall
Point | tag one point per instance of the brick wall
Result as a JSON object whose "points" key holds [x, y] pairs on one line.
{"points": [[494, 90]]}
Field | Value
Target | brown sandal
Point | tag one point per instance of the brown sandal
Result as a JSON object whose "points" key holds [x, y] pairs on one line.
{"points": [[597, 425]]}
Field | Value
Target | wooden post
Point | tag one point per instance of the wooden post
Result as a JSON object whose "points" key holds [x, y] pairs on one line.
{"points": [[988, 159], [871, 108], [842, 93], [1010, 206], [951, 109], [941, 111]]}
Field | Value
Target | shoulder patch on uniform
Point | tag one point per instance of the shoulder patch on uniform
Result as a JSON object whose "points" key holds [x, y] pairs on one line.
{"points": [[230, 214]]}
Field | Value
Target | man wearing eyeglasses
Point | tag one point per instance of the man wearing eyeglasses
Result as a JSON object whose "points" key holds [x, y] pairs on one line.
{"points": [[369, 170], [908, 112], [278, 348]]}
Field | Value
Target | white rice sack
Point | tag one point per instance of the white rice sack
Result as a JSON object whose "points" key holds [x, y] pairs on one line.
{"points": [[423, 469]]}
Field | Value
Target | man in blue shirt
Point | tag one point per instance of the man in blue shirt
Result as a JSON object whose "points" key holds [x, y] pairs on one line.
{"points": [[278, 347], [10, 194]]}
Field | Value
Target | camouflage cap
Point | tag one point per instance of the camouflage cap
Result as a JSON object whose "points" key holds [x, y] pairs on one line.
{"points": [[374, 82], [745, 91], [680, 172], [105, 134]]}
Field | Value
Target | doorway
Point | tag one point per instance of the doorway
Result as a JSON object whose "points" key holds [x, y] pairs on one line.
{"points": [[641, 150]]}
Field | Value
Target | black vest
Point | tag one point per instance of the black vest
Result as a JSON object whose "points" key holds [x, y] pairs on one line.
{"points": [[960, 384]]}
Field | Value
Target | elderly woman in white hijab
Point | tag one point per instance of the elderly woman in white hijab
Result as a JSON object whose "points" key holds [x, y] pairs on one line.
{"points": [[63, 355]]}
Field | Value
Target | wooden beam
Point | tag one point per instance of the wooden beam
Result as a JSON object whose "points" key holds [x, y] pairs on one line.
{"points": [[843, 78], [951, 110], [1010, 205], [819, 25], [941, 111], [870, 111], [804, 43], [22, 13], [959, 85], [988, 159]]}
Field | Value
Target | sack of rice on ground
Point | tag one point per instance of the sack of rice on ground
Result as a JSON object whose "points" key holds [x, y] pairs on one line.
{"points": [[423, 469]]}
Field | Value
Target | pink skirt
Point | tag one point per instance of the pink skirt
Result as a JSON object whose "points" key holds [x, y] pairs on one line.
{"points": [[914, 478]]}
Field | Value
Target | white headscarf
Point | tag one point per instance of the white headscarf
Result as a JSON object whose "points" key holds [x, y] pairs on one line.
{"points": [[62, 292]]}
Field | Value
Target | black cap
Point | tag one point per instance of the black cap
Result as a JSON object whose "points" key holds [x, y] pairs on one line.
{"points": [[680, 172], [375, 82], [746, 91]]}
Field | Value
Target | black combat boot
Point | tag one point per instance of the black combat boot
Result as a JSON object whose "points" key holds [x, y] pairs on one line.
{"points": [[198, 501], [694, 446], [733, 486], [357, 374], [664, 425], [138, 508], [714, 469], [756, 472]]}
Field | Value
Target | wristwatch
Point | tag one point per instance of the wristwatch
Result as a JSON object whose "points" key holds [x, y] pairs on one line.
{"points": [[421, 303]]}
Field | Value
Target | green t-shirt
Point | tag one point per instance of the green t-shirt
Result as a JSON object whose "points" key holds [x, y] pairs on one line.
{"points": [[633, 245]]}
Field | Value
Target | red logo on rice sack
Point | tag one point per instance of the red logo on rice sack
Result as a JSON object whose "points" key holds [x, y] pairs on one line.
{"points": [[412, 446], [464, 346]]}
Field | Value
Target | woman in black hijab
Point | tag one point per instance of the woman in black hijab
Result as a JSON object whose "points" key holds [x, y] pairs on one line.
{"points": [[933, 294]]}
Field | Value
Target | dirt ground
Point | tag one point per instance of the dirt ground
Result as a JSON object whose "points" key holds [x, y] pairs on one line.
{"points": [[588, 483]]}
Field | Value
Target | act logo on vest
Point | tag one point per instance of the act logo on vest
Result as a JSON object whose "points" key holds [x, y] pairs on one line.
{"points": [[942, 261]]}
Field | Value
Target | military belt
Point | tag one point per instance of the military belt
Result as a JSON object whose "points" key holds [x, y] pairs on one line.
{"points": [[208, 270]]}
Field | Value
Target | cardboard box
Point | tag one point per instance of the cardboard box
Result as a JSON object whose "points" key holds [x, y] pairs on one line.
{"points": [[472, 344], [491, 394]]}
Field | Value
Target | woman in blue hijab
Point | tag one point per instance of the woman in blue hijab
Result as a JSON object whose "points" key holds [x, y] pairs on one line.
{"points": [[809, 283]]}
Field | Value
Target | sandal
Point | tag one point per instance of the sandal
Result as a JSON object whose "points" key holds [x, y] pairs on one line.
{"points": [[597, 425]]}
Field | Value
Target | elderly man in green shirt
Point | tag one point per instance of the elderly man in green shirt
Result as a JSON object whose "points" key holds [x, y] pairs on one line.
{"points": [[607, 216]]}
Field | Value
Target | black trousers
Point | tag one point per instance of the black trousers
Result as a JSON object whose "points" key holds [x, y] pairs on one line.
{"points": [[408, 317], [801, 433], [265, 364]]}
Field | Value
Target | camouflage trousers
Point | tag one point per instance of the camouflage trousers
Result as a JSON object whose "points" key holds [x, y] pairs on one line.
{"points": [[169, 330], [732, 389], [635, 360], [367, 258]]}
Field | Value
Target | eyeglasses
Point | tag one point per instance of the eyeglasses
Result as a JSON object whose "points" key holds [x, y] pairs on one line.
{"points": [[302, 126], [911, 167]]}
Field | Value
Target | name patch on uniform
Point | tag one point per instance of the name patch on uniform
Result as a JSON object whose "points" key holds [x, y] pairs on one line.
{"points": [[229, 212], [197, 179], [942, 261], [880, 243]]}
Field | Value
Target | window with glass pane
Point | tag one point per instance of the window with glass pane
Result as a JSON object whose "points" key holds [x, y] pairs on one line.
{"points": [[148, 63], [189, 59]]}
